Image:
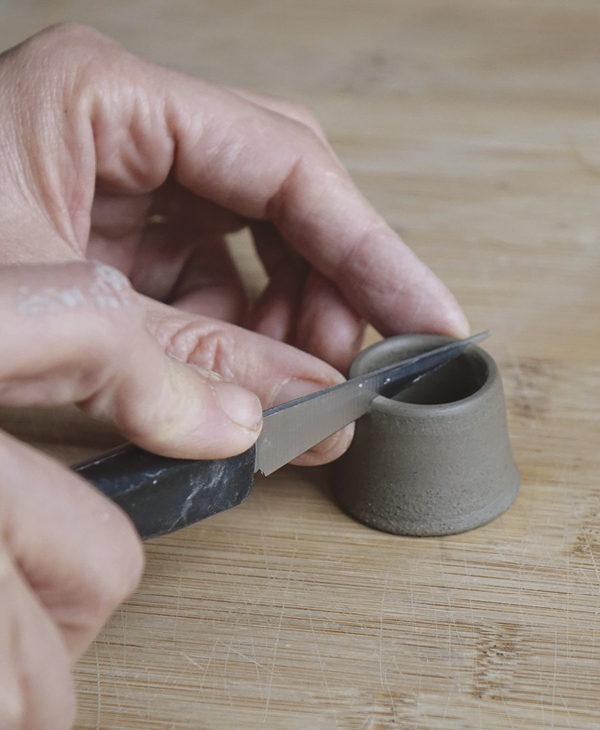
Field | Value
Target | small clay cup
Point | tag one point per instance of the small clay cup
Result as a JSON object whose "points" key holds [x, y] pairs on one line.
{"points": [[435, 459]]}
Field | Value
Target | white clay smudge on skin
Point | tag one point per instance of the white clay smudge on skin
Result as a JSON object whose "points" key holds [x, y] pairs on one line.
{"points": [[110, 287], [50, 300], [108, 290]]}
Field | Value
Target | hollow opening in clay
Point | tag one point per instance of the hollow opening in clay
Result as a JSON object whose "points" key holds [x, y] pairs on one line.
{"points": [[455, 381]]}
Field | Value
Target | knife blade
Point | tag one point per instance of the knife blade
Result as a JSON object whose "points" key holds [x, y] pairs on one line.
{"points": [[161, 494]]}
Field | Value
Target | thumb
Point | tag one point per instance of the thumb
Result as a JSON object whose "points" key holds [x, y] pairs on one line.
{"points": [[75, 333]]}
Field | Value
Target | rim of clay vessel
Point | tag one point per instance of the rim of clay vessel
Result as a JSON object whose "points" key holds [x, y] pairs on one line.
{"points": [[483, 381]]}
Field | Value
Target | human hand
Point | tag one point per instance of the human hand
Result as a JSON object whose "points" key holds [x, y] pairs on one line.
{"points": [[69, 556], [109, 157], [76, 333], [105, 156]]}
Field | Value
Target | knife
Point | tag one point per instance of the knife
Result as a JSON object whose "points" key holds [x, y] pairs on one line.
{"points": [[161, 494]]}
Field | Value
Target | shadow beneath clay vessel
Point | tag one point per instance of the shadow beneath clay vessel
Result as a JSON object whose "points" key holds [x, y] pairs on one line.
{"points": [[436, 459]]}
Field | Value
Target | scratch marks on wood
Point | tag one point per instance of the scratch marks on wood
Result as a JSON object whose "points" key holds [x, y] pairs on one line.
{"points": [[382, 670], [98, 687], [288, 580], [189, 658], [389, 711], [496, 658], [586, 546]]}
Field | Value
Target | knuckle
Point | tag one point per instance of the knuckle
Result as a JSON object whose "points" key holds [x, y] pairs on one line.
{"points": [[311, 144], [297, 112], [66, 37], [129, 570], [101, 290], [212, 349], [105, 292], [118, 571], [306, 117], [133, 566], [74, 53], [67, 288], [12, 709], [35, 685], [109, 288]]}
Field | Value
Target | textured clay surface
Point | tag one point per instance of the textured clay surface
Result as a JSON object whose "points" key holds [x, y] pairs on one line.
{"points": [[436, 459]]}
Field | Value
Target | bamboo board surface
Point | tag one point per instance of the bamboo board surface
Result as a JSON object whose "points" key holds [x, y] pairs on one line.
{"points": [[474, 127]]}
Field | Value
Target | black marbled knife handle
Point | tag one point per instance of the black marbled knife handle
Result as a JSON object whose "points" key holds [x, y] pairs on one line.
{"points": [[162, 495]]}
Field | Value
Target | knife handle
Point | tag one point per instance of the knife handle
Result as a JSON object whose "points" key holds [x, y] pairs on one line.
{"points": [[161, 494]]}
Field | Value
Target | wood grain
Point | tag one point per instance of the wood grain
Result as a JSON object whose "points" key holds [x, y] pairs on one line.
{"points": [[475, 128]]}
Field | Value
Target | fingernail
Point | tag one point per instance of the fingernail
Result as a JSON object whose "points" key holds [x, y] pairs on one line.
{"points": [[327, 445], [242, 406], [296, 389], [459, 325], [329, 449]]}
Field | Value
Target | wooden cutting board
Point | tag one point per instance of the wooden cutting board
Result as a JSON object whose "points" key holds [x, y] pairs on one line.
{"points": [[474, 127]]}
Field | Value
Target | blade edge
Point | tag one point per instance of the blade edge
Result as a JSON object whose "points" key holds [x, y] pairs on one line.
{"points": [[348, 401]]}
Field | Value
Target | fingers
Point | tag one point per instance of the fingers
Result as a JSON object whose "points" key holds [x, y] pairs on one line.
{"points": [[76, 333], [179, 265], [189, 268], [327, 326], [209, 283], [36, 689], [285, 107], [275, 371], [302, 307], [274, 314], [170, 245], [281, 171], [266, 367], [68, 558], [239, 155], [75, 549], [65, 323]]}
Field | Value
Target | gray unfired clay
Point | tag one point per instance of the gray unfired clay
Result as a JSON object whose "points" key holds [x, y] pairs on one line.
{"points": [[436, 459]]}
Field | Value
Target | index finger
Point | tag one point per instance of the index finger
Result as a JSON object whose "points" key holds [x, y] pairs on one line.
{"points": [[278, 169], [146, 122]]}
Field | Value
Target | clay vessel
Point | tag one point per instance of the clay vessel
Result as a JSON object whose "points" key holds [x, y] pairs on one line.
{"points": [[436, 459]]}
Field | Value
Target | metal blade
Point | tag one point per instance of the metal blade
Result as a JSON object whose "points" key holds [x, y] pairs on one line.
{"points": [[292, 428]]}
